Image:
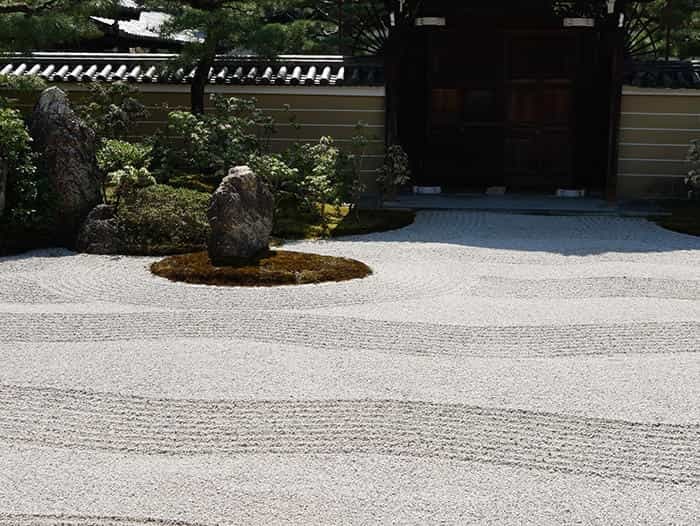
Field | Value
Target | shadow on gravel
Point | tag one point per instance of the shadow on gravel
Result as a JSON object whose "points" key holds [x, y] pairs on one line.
{"points": [[53, 252], [564, 235]]}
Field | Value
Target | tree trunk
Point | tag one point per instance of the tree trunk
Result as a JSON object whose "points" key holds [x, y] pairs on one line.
{"points": [[615, 55], [3, 184], [341, 27], [392, 106], [392, 72], [199, 84]]}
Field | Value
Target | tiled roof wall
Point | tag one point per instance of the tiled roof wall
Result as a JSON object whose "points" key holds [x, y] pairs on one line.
{"points": [[147, 68], [298, 70]]}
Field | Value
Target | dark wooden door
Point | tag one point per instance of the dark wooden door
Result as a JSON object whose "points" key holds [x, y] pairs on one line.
{"points": [[539, 127], [463, 135]]}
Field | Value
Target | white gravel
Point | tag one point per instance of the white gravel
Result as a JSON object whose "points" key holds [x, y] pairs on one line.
{"points": [[496, 369]]}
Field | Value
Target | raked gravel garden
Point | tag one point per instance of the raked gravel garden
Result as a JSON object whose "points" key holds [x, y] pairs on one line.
{"points": [[493, 369]]}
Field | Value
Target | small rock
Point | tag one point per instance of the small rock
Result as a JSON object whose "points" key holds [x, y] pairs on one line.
{"points": [[496, 190], [67, 147], [241, 215], [100, 232]]}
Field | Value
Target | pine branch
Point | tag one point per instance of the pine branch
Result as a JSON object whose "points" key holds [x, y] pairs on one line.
{"points": [[27, 9]]}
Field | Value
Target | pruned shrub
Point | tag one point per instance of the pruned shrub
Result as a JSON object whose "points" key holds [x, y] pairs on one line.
{"points": [[112, 110], [18, 83], [197, 182], [693, 179], [320, 178], [282, 179], [128, 181], [114, 155], [395, 172], [211, 143], [125, 167], [26, 190], [161, 219], [352, 164]]}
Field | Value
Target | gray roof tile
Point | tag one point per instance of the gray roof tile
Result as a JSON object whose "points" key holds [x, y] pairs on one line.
{"points": [[288, 70]]}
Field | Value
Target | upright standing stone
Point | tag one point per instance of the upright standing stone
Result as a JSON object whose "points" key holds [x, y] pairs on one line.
{"points": [[240, 214], [67, 148]]}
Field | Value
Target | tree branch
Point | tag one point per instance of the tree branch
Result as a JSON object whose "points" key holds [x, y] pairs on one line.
{"points": [[26, 9]]}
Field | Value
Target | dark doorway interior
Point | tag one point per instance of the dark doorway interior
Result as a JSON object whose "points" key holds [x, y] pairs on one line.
{"points": [[492, 100]]}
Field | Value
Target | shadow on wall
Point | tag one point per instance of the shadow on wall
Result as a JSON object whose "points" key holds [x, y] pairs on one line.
{"points": [[563, 235]]}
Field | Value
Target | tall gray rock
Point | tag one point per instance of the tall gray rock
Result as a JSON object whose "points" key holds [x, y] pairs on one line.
{"points": [[67, 147], [240, 214]]}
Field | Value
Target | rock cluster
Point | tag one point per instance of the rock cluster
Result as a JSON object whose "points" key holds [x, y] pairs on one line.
{"points": [[240, 215], [100, 232]]}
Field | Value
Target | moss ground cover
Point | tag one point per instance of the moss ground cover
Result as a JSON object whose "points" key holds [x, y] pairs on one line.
{"points": [[340, 222], [275, 268]]}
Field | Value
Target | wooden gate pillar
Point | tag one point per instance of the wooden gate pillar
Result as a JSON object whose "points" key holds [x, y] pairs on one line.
{"points": [[614, 42]]}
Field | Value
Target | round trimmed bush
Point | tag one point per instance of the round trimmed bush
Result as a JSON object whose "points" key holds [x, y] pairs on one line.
{"points": [[161, 220]]}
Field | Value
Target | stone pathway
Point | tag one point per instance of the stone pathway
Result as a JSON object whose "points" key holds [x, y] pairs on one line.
{"points": [[495, 369]]}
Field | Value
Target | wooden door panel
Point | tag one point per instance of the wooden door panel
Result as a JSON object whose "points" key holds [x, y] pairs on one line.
{"points": [[483, 147], [557, 105], [445, 107], [521, 152], [523, 104], [540, 105], [541, 56], [481, 105], [557, 60], [556, 154]]}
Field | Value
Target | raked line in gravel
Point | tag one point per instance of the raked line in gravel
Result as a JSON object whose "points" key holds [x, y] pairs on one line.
{"points": [[495, 369]]}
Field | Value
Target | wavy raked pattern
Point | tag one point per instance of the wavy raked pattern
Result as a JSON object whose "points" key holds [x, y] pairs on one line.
{"points": [[607, 448], [444, 263], [355, 333]]}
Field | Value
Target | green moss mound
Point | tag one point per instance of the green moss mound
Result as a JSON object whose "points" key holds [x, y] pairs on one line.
{"points": [[340, 222], [275, 268], [198, 183]]}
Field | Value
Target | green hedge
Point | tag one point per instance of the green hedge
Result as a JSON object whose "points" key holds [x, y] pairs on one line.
{"points": [[162, 220]]}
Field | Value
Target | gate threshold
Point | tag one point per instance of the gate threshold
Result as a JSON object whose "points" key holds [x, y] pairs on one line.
{"points": [[526, 204]]}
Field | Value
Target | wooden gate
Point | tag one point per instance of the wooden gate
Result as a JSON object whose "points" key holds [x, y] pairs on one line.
{"points": [[540, 100]]}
